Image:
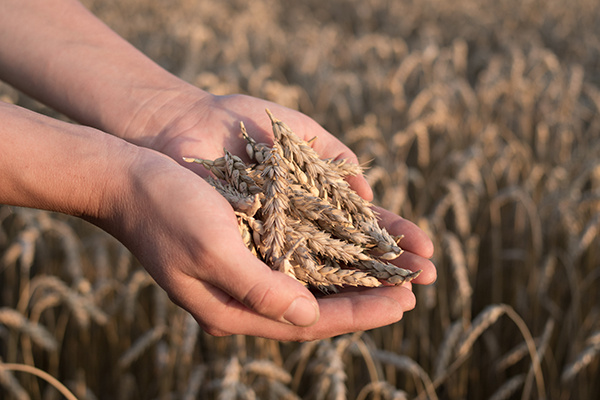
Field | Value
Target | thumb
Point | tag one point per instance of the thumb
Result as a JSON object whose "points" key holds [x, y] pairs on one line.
{"points": [[279, 297], [267, 292]]}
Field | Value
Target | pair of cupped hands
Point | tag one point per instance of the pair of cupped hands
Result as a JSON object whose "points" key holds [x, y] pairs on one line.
{"points": [[186, 235]]}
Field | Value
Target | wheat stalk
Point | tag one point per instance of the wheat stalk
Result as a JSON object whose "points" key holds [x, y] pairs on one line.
{"points": [[37, 372], [11, 384]]}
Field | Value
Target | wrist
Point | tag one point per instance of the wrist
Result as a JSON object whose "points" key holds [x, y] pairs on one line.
{"points": [[158, 113], [58, 166]]}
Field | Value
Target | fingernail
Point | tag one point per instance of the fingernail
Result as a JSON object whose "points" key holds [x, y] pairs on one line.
{"points": [[302, 312]]}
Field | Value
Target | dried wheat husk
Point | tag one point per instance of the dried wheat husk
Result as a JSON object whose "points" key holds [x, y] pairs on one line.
{"points": [[297, 213]]}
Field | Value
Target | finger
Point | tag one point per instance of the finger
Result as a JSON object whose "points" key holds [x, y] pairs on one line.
{"points": [[232, 268], [413, 262], [219, 314], [415, 240], [360, 185]]}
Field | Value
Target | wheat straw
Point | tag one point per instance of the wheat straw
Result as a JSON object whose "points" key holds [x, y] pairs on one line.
{"points": [[11, 384], [41, 374]]}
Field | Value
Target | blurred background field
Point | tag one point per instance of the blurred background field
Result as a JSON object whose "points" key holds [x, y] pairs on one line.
{"points": [[478, 119]]}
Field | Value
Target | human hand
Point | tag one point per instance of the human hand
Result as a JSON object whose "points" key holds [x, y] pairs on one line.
{"points": [[253, 304], [182, 231]]}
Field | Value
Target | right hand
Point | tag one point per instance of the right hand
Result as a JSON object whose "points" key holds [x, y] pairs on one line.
{"points": [[185, 234]]}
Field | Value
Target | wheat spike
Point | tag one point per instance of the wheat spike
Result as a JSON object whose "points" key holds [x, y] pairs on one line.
{"points": [[591, 351], [302, 218], [275, 206], [15, 320], [267, 369], [483, 321], [82, 306]]}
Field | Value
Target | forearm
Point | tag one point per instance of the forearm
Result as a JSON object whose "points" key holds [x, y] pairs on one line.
{"points": [[61, 54], [58, 166]]}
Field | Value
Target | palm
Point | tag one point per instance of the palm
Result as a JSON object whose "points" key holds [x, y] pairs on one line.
{"points": [[204, 265], [206, 134]]}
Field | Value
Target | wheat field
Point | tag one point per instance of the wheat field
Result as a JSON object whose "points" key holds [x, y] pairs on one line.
{"points": [[479, 120]]}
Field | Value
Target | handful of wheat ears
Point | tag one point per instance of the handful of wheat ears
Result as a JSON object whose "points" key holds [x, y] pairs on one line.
{"points": [[297, 214]]}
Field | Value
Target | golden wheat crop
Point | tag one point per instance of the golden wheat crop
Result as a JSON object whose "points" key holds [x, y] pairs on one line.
{"points": [[478, 120]]}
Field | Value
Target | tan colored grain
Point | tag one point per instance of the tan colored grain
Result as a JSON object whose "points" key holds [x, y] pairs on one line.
{"points": [[306, 221]]}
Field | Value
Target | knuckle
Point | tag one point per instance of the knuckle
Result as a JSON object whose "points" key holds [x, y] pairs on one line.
{"points": [[263, 299], [213, 331]]}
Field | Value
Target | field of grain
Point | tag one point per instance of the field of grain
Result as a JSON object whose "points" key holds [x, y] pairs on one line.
{"points": [[478, 119]]}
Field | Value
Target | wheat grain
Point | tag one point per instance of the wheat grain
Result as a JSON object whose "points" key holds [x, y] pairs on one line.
{"points": [[304, 219], [275, 206]]}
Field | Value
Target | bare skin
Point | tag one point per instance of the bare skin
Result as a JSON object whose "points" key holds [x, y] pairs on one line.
{"points": [[132, 184]]}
